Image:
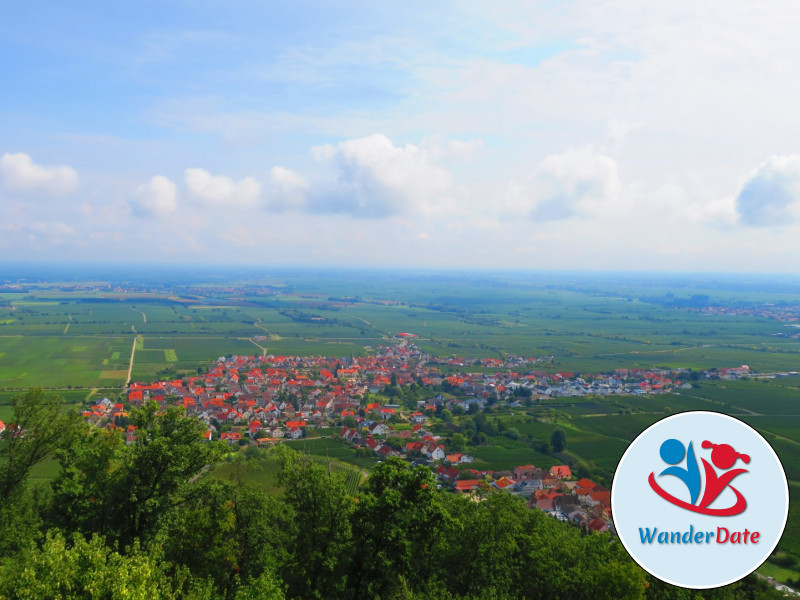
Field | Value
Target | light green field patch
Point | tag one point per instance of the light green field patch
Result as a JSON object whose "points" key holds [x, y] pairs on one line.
{"points": [[115, 374], [105, 361], [201, 307], [34, 303], [170, 355], [7, 321], [79, 348], [115, 356]]}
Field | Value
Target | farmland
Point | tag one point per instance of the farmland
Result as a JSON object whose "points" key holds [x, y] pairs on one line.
{"points": [[77, 337], [59, 334]]}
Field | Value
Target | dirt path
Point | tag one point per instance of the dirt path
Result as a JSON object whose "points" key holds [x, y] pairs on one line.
{"points": [[668, 350], [130, 366], [144, 316], [257, 323], [744, 410], [360, 319], [252, 341]]}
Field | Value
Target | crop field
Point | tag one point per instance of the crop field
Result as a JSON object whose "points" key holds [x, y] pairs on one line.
{"points": [[755, 397], [61, 361], [331, 449], [588, 325]]}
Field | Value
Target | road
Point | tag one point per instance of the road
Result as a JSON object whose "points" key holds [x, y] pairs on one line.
{"points": [[130, 366]]}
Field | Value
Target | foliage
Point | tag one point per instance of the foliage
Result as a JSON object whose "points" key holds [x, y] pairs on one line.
{"points": [[558, 440], [84, 569], [38, 427], [320, 535], [142, 521]]}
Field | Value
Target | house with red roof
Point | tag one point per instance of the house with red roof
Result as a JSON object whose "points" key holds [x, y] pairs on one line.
{"points": [[597, 525], [469, 485], [379, 429], [232, 437], [561, 471], [414, 447], [434, 451]]}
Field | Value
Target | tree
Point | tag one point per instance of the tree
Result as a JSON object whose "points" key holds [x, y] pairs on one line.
{"points": [[558, 440], [84, 569], [168, 452], [458, 442], [225, 532], [319, 537], [38, 427], [84, 490], [397, 524]]}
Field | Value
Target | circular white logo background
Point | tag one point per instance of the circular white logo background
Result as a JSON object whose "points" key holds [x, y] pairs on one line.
{"points": [[699, 499]]}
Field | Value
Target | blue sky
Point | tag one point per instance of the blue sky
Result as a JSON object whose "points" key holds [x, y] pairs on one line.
{"points": [[568, 135]]}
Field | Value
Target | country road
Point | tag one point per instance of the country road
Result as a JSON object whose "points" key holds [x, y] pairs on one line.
{"points": [[130, 366]]}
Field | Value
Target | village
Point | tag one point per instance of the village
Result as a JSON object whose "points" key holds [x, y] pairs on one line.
{"points": [[263, 400]]}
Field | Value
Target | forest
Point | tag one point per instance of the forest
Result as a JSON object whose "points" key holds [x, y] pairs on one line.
{"points": [[142, 521]]}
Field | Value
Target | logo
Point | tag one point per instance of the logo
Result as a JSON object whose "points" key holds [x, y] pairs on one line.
{"points": [[723, 456], [699, 499]]}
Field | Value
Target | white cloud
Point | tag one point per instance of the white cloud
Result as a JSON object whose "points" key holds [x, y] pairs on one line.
{"points": [[771, 195], [289, 189], [51, 229], [375, 178], [50, 233], [565, 185], [219, 191], [157, 198], [22, 174]]}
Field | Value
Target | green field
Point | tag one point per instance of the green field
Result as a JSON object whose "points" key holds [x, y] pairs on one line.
{"points": [[59, 336], [264, 472], [58, 362]]}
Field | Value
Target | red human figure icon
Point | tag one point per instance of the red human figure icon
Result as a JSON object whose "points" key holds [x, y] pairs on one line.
{"points": [[724, 457]]}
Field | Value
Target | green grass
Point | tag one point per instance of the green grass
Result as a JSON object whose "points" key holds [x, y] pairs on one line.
{"points": [[759, 396], [778, 573], [60, 361], [264, 473], [329, 448]]}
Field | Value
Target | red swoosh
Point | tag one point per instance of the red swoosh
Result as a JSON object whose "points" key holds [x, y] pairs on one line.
{"points": [[737, 508]]}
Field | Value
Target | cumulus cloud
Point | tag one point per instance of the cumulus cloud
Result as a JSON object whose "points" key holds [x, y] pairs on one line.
{"points": [[375, 178], [288, 189], [20, 173], [771, 195], [219, 191], [564, 185], [157, 198]]}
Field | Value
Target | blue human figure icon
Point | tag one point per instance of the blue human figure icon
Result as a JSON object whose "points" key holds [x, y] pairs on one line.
{"points": [[672, 452]]}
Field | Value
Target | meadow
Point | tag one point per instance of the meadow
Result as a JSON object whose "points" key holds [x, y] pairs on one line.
{"points": [[264, 471]]}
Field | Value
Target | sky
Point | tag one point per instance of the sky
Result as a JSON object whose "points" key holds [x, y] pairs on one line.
{"points": [[586, 135]]}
